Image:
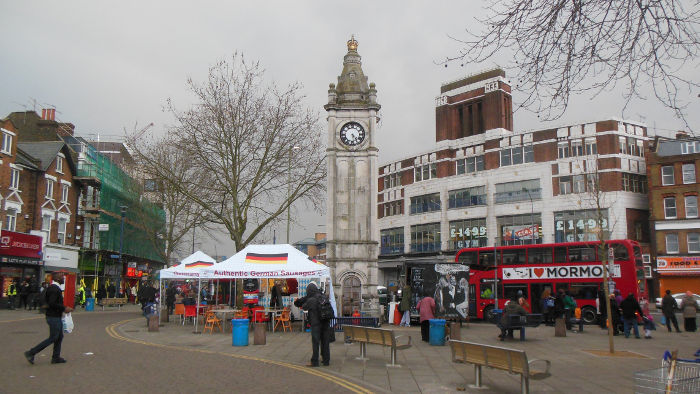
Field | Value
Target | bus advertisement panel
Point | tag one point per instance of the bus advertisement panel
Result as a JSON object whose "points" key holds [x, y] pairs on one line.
{"points": [[540, 270]]}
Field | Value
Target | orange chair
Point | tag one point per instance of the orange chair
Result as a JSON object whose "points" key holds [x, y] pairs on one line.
{"points": [[212, 321], [285, 320], [180, 311], [191, 311], [240, 315]]}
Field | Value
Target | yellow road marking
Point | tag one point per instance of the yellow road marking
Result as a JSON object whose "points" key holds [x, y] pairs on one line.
{"points": [[111, 331]]}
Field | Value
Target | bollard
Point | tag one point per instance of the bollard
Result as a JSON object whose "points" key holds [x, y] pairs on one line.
{"points": [[559, 327], [259, 334], [153, 323]]}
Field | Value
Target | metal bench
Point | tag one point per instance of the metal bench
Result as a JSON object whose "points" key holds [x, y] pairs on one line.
{"points": [[510, 360], [519, 322], [339, 322], [376, 336], [112, 302]]}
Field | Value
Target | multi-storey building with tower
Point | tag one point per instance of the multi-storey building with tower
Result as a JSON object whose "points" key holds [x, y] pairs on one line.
{"points": [[485, 183], [672, 167]]}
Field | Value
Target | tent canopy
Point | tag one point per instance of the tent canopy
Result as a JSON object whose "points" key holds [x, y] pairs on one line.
{"points": [[267, 261], [190, 267]]}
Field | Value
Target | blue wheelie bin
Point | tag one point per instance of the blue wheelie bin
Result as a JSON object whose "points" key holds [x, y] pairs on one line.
{"points": [[437, 332], [239, 332]]}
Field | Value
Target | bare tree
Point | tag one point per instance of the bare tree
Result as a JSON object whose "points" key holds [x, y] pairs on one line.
{"points": [[181, 213], [563, 47], [252, 148]]}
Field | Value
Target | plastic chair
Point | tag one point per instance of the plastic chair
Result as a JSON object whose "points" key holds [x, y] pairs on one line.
{"points": [[210, 322], [190, 311], [285, 320], [180, 311], [240, 315]]}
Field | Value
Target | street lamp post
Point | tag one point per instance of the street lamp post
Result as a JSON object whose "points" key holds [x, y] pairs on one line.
{"points": [[289, 185]]}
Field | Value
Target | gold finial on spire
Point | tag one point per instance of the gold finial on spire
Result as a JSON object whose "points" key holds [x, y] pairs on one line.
{"points": [[352, 44]]}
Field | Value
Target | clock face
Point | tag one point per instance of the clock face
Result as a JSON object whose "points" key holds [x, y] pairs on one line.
{"points": [[352, 133]]}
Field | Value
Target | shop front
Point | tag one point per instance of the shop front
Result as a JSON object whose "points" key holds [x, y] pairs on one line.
{"points": [[678, 273], [20, 258]]}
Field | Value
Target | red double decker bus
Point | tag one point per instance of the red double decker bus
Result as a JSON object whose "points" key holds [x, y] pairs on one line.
{"points": [[534, 269]]}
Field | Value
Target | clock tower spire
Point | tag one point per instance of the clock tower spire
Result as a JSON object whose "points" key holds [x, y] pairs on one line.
{"points": [[352, 234]]}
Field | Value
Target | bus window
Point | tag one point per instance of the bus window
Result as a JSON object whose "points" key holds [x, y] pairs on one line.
{"points": [[486, 259], [560, 254], [486, 289], [638, 256], [513, 256], [582, 253], [581, 290], [621, 252], [468, 258], [539, 255], [511, 291]]}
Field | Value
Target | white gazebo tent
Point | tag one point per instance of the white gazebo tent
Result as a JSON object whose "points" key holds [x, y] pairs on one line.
{"points": [[279, 261], [190, 267]]}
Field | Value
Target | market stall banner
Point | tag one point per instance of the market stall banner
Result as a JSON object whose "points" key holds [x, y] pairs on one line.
{"points": [[199, 264], [558, 272], [259, 258]]}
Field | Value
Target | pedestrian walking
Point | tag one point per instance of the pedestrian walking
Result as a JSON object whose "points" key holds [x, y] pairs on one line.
{"points": [[405, 306], [170, 293], [426, 309], [669, 307], [615, 314], [690, 308], [55, 309], [24, 295], [320, 329], [630, 307]]}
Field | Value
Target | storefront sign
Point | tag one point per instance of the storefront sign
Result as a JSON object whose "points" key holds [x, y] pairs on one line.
{"points": [[514, 233], [558, 272], [20, 245], [678, 264]]}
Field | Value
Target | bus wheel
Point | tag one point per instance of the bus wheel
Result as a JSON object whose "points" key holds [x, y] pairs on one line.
{"points": [[488, 314], [588, 315]]}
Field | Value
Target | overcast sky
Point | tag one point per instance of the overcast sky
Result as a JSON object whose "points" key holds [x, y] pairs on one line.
{"points": [[105, 66]]}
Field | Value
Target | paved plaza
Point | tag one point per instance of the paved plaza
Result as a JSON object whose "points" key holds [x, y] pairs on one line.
{"points": [[114, 351]]}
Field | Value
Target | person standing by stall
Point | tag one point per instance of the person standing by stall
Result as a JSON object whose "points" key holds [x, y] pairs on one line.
{"points": [[690, 308], [405, 306], [320, 329], [426, 308]]}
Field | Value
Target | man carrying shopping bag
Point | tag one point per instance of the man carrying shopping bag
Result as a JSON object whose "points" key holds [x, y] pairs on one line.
{"points": [[53, 302]]}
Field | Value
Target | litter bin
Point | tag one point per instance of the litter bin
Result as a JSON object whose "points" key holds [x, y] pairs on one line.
{"points": [[90, 304], [259, 335], [239, 332], [437, 332]]}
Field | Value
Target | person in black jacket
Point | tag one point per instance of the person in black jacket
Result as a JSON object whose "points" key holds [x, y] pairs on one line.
{"points": [[320, 329], [629, 306], [54, 311], [669, 305]]}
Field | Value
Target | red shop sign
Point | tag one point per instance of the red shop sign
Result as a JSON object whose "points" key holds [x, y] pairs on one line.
{"points": [[18, 244]]}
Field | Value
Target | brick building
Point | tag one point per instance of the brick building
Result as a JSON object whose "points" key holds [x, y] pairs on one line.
{"points": [[672, 167], [484, 183]]}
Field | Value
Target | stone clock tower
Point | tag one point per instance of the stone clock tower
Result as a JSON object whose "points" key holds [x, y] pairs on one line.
{"points": [[352, 239]]}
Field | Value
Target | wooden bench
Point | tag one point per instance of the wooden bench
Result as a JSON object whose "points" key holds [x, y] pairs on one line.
{"points": [[112, 302], [511, 360], [376, 336]]}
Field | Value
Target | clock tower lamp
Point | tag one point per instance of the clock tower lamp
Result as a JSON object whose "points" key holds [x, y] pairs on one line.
{"points": [[352, 234]]}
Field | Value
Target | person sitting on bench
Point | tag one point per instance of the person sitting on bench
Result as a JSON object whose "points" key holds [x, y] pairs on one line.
{"points": [[512, 308]]}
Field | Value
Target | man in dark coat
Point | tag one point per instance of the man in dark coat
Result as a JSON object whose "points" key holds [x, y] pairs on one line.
{"points": [[320, 329], [669, 305], [629, 307], [54, 312]]}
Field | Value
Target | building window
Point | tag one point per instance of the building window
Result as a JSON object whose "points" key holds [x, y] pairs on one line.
{"points": [[425, 203], [667, 175], [579, 184], [6, 144], [563, 148], [565, 185], [520, 229], [425, 237], [62, 231], [11, 219], [391, 180], [634, 183], [670, 208], [392, 208], [693, 242], [425, 172], [64, 193], [688, 173], [470, 164], [468, 233], [392, 241], [49, 189], [691, 206], [517, 155], [467, 197], [59, 164], [591, 147], [46, 225], [14, 179], [688, 148], [517, 191], [671, 243], [580, 226], [577, 148], [623, 145]]}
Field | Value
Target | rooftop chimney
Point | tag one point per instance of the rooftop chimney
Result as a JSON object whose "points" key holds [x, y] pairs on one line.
{"points": [[48, 114], [680, 134]]}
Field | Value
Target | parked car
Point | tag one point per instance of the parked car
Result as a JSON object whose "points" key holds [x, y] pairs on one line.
{"points": [[679, 298]]}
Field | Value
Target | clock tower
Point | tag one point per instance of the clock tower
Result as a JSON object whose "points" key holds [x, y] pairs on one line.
{"points": [[352, 234]]}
